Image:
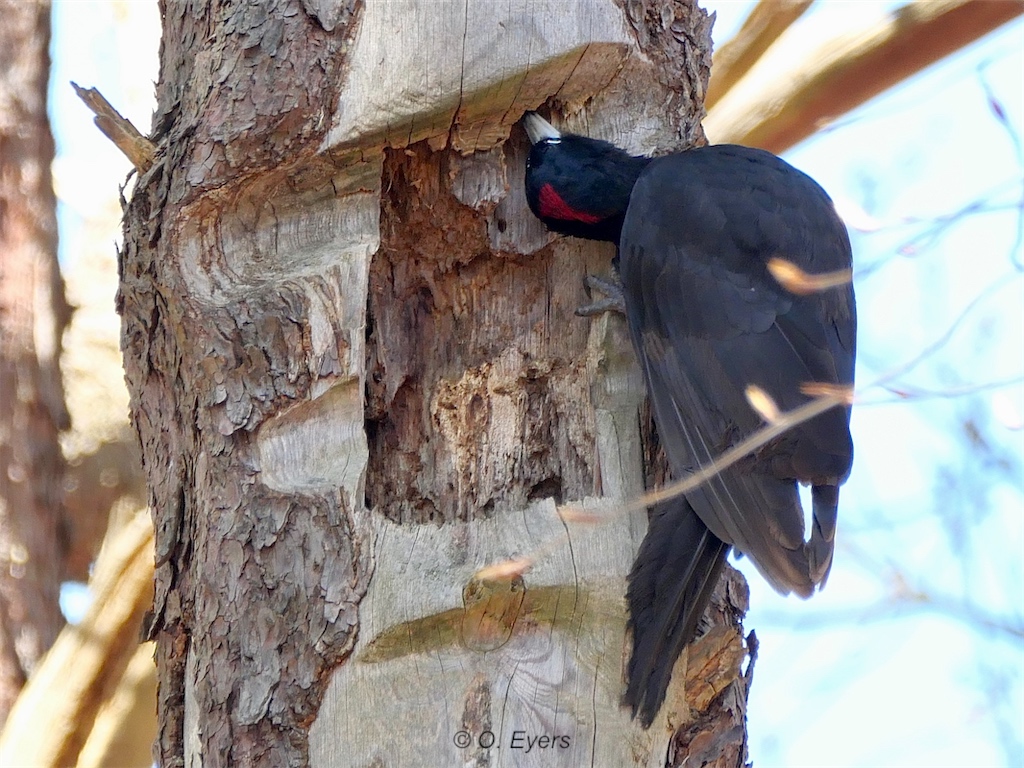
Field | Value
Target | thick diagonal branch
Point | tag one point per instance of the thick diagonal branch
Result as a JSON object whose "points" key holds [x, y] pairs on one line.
{"points": [[775, 110], [765, 24]]}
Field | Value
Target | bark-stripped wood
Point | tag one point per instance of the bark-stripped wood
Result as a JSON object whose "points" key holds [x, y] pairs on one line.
{"points": [[334, 234]]}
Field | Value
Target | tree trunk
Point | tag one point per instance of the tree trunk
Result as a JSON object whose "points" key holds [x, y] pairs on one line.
{"points": [[358, 380], [33, 314]]}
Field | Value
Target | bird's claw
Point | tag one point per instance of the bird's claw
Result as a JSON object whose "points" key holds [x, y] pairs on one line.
{"points": [[612, 289]]}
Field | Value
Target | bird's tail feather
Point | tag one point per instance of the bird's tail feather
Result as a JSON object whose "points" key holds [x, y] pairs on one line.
{"points": [[825, 505], [669, 587]]}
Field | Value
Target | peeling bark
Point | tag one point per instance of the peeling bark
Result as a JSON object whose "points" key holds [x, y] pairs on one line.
{"points": [[357, 379], [256, 583]]}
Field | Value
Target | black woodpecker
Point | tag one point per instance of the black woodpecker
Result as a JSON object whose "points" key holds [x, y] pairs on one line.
{"points": [[694, 232]]}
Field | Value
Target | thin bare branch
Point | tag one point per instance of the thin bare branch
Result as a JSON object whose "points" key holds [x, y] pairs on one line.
{"points": [[922, 241], [783, 422], [126, 137], [968, 614], [996, 106], [942, 340], [904, 393], [778, 111]]}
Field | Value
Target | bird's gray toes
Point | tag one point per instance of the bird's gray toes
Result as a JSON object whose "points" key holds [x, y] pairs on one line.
{"points": [[612, 289]]}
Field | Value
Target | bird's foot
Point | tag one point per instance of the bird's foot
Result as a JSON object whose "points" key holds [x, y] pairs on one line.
{"points": [[615, 301]]}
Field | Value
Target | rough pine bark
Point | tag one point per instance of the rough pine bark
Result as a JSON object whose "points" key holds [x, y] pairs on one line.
{"points": [[357, 380], [33, 314]]}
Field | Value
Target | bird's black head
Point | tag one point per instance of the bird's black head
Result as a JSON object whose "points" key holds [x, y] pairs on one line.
{"points": [[578, 186]]}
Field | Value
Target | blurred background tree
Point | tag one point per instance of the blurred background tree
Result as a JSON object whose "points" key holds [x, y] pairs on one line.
{"points": [[33, 315]]}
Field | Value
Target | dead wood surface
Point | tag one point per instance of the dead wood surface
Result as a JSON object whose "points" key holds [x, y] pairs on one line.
{"points": [[357, 378]]}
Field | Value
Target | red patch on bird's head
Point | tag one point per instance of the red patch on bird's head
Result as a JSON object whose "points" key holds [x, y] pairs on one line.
{"points": [[552, 206]]}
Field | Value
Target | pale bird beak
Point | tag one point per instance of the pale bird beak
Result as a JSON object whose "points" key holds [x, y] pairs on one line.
{"points": [[539, 129]]}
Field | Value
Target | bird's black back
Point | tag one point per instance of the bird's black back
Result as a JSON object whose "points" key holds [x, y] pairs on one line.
{"points": [[709, 320], [695, 231]]}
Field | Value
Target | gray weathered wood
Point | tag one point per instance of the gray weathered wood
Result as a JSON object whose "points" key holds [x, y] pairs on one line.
{"points": [[557, 675], [334, 293], [430, 70]]}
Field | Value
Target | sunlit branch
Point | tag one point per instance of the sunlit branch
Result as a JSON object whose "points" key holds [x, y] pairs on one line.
{"points": [[765, 24], [776, 110], [826, 397], [909, 102], [795, 280]]}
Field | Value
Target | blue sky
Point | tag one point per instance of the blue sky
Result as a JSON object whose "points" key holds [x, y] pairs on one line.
{"points": [[859, 675]]}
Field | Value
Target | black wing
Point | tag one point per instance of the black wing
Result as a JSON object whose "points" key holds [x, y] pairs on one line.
{"points": [[707, 320]]}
